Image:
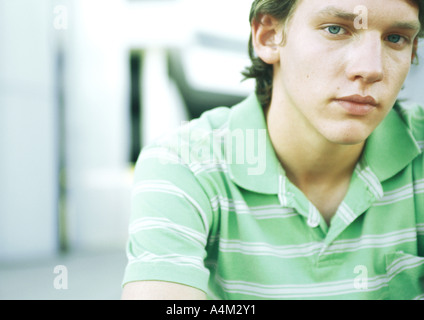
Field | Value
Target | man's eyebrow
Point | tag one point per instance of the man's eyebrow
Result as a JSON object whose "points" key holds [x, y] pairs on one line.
{"points": [[337, 12], [407, 25]]}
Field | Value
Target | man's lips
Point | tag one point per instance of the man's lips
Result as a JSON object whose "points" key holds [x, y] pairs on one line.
{"points": [[359, 99], [357, 105]]}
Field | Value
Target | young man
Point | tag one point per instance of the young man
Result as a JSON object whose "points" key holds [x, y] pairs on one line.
{"points": [[334, 207]]}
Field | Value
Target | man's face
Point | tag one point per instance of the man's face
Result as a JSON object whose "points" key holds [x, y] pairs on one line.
{"points": [[343, 64]]}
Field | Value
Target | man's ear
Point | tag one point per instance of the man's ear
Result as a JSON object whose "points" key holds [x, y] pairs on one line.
{"points": [[267, 38]]}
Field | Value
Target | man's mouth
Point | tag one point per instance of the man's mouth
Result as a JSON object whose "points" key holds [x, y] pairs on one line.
{"points": [[357, 105]]}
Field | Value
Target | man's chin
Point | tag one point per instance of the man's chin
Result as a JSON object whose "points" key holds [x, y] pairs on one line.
{"points": [[348, 139], [348, 133]]}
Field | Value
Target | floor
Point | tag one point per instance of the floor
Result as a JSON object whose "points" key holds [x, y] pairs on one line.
{"points": [[76, 276]]}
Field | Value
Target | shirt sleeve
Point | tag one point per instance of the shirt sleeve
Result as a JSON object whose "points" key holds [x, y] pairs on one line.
{"points": [[169, 223]]}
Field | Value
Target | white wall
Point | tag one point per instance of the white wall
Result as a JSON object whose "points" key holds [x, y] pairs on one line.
{"points": [[28, 138], [97, 76], [414, 85]]}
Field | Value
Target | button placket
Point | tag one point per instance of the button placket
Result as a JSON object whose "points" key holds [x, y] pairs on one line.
{"points": [[290, 196]]}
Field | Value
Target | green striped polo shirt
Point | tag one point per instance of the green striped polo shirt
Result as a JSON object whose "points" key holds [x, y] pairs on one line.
{"points": [[213, 209]]}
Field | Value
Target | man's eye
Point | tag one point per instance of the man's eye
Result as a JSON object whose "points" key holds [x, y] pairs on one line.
{"points": [[395, 38], [336, 30]]}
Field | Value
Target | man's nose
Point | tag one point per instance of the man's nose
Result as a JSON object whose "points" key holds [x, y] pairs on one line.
{"points": [[365, 59]]}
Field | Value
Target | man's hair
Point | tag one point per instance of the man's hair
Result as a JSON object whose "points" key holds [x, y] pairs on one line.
{"points": [[282, 10]]}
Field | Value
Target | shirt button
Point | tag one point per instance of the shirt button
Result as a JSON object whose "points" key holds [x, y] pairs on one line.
{"points": [[313, 223]]}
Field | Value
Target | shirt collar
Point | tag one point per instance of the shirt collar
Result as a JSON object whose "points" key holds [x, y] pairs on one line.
{"points": [[389, 149]]}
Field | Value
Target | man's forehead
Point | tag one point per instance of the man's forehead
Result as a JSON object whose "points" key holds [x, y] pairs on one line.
{"points": [[349, 6], [402, 13]]}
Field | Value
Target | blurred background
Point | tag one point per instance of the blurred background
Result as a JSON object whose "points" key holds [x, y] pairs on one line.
{"points": [[84, 84]]}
